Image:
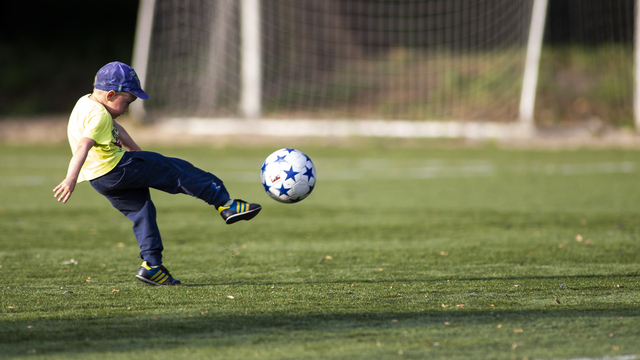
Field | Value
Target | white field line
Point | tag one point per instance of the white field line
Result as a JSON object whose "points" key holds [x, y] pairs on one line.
{"points": [[615, 357], [343, 169], [34, 161], [584, 169], [348, 169], [16, 181]]}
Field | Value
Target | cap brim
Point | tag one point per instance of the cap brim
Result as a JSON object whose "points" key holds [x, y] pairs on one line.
{"points": [[140, 94]]}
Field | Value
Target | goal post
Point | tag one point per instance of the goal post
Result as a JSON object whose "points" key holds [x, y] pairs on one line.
{"points": [[141, 47], [251, 92], [532, 63], [636, 84]]}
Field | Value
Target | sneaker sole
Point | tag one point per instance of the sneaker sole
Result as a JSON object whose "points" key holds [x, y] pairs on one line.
{"points": [[145, 280], [247, 215]]}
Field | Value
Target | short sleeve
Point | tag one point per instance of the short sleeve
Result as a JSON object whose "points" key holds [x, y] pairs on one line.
{"points": [[99, 127]]}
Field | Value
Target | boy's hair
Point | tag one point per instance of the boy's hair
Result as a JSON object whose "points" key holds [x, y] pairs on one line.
{"points": [[98, 91]]}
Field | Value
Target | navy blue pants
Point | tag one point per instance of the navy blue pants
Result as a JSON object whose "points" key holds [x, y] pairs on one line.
{"points": [[127, 188]]}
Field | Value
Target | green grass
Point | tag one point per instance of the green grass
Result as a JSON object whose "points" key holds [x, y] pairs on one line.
{"points": [[403, 251]]}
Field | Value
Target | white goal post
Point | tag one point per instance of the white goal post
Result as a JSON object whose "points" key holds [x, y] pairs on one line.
{"points": [[251, 93], [636, 87], [141, 46], [412, 68], [532, 64]]}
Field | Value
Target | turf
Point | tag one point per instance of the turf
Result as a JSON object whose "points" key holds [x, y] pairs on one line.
{"points": [[403, 251]]}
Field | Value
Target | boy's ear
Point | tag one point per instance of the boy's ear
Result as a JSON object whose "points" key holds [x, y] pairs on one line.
{"points": [[111, 94]]}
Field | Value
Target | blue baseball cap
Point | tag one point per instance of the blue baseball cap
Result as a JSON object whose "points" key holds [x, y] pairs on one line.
{"points": [[119, 76]]}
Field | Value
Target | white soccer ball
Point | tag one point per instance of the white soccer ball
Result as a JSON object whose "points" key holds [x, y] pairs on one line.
{"points": [[288, 175]]}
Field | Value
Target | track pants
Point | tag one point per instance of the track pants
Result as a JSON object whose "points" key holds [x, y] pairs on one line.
{"points": [[127, 188]]}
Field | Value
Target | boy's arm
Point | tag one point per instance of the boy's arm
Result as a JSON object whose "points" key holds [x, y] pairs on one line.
{"points": [[126, 139], [63, 191]]}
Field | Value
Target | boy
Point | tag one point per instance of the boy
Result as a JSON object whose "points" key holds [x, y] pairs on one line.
{"points": [[105, 155]]}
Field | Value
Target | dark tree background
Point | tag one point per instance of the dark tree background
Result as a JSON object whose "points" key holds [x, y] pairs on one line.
{"points": [[50, 50], [589, 22]]}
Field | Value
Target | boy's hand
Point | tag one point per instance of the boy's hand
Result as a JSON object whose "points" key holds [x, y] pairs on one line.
{"points": [[63, 191]]}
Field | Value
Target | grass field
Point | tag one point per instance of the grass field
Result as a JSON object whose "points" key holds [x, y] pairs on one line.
{"points": [[403, 251]]}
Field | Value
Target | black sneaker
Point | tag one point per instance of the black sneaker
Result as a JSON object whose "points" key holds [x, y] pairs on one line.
{"points": [[238, 210], [156, 275]]}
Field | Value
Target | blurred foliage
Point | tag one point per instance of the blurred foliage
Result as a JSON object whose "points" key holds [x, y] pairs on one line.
{"points": [[578, 84], [575, 84]]}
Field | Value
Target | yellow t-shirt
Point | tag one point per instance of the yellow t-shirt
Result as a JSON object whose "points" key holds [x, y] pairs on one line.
{"points": [[90, 119]]}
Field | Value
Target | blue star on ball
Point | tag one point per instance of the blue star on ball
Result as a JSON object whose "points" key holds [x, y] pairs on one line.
{"points": [[308, 173], [283, 190], [291, 174]]}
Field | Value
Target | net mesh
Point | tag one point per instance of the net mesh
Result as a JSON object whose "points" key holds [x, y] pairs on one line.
{"points": [[356, 59]]}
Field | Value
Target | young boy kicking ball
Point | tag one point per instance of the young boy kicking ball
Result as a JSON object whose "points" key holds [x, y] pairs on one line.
{"points": [[105, 155]]}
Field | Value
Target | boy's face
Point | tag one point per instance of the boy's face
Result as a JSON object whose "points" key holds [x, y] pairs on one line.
{"points": [[118, 103]]}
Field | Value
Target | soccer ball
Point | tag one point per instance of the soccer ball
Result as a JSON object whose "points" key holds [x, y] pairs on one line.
{"points": [[288, 175]]}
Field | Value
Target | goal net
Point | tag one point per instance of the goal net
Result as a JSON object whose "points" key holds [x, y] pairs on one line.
{"points": [[337, 59]]}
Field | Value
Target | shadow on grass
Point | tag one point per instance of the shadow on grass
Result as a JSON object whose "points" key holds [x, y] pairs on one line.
{"points": [[432, 280], [109, 335]]}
